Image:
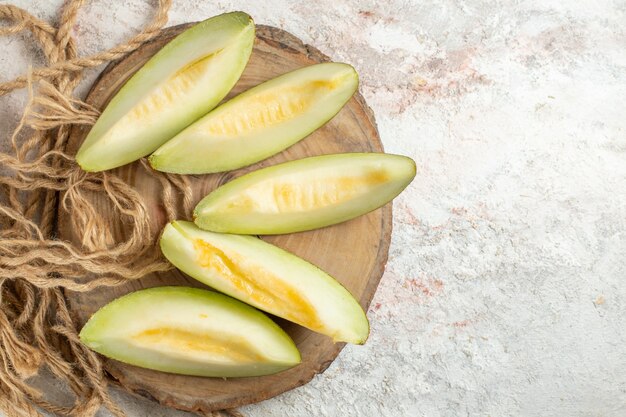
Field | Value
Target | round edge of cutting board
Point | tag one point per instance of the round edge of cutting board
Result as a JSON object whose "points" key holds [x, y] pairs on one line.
{"points": [[122, 374]]}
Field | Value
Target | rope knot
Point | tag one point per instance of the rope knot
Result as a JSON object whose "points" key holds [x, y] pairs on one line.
{"points": [[50, 109]]}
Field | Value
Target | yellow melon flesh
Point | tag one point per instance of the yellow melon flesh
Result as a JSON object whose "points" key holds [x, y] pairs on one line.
{"points": [[172, 90], [258, 284], [268, 109], [212, 346], [290, 194]]}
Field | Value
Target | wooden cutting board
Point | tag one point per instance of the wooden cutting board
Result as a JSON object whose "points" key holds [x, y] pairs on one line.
{"points": [[354, 252]]}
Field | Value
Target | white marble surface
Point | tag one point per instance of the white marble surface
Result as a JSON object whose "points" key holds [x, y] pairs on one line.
{"points": [[505, 291]]}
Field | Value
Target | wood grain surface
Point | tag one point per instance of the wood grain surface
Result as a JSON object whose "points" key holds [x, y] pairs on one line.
{"points": [[354, 252]]}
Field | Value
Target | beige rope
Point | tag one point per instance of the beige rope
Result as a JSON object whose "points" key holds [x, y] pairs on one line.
{"points": [[37, 179]]}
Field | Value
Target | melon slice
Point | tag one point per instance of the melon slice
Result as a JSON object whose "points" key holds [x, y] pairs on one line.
{"points": [[191, 332], [260, 122], [188, 77], [305, 194], [268, 278]]}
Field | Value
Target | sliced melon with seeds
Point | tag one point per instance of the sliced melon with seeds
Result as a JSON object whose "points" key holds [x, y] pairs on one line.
{"points": [[187, 78], [305, 194], [259, 122], [190, 331], [268, 278]]}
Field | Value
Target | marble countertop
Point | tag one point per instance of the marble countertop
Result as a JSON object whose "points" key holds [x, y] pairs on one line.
{"points": [[505, 291]]}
